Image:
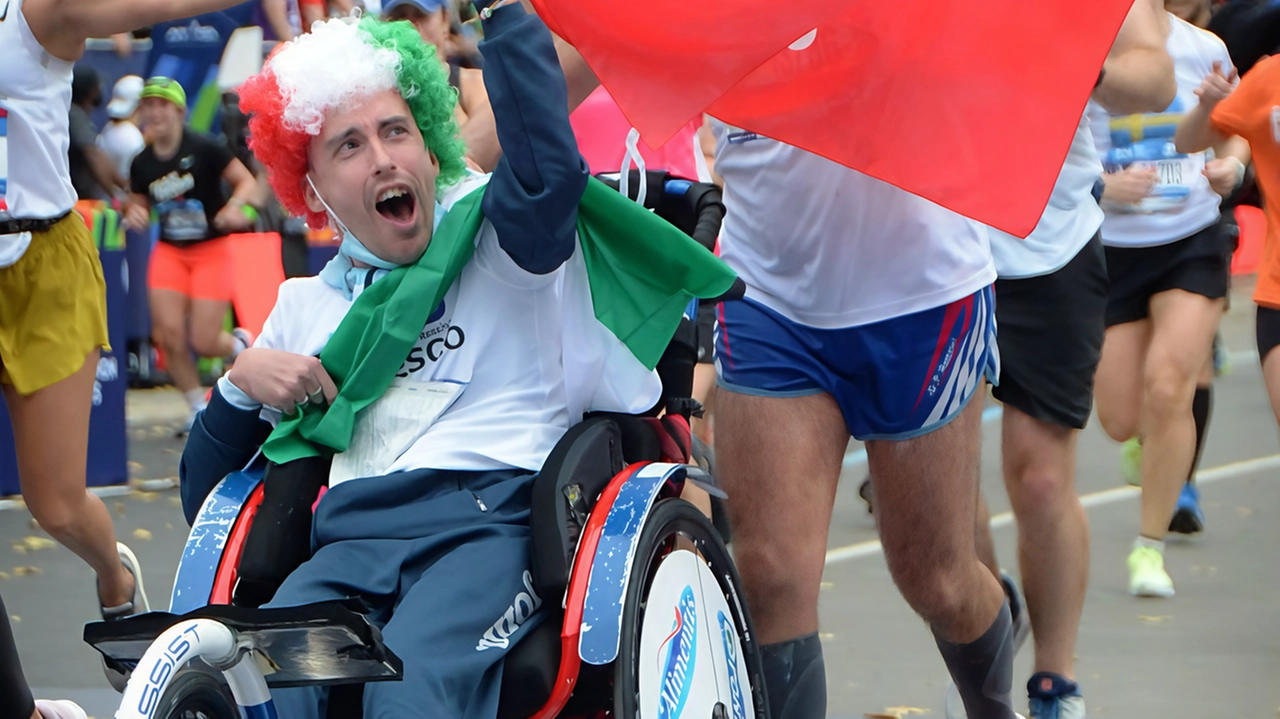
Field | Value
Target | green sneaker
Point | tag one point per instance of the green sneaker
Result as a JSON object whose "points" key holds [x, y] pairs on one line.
{"points": [[1131, 462], [1147, 577]]}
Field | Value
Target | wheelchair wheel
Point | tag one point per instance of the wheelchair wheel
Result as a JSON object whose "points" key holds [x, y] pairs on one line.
{"points": [[687, 647], [197, 693]]}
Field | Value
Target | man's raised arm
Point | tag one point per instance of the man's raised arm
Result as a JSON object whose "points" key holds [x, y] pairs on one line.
{"points": [[533, 197], [1138, 73]]}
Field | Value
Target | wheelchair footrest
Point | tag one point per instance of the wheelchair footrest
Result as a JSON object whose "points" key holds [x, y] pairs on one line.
{"points": [[316, 644]]}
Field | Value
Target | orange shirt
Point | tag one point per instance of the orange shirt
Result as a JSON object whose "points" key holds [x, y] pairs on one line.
{"points": [[1253, 112]]}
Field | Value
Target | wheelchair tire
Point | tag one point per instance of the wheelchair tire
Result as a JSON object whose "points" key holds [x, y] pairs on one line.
{"points": [[672, 527], [197, 693]]}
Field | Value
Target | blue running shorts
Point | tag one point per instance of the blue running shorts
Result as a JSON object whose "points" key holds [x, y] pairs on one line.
{"points": [[895, 379]]}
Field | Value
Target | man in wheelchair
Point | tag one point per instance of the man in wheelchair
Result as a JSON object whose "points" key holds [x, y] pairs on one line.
{"points": [[428, 371]]}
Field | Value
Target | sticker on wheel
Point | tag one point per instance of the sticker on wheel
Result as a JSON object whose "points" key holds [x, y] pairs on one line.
{"points": [[677, 674]]}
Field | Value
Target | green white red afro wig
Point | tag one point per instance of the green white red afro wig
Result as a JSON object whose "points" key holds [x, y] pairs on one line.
{"points": [[337, 65]]}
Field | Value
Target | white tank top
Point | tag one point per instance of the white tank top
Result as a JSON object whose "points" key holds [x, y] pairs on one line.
{"points": [[830, 247], [1069, 221], [35, 98], [1182, 203]]}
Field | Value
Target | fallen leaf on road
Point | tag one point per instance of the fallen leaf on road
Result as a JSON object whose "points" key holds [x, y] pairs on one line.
{"points": [[1244, 511], [1155, 619], [168, 525], [27, 571], [34, 524], [826, 636], [828, 585], [135, 467], [175, 501], [16, 619], [35, 544], [4, 575], [19, 549], [142, 534], [119, 509], [904, 711], [170, 450]]}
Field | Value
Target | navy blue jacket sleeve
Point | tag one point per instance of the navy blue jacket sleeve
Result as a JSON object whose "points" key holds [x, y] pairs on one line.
{"points": [[222, 440], [533, 196]]}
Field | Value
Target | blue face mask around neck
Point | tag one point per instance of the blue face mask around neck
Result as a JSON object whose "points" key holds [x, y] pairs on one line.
{"points": [[340, 272]]}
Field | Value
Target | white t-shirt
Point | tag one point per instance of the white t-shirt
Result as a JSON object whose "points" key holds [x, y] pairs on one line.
{"points": [[527, 348], [1182, 203], [122, 141], [830, 247], [35, 97], [1069, 221]]}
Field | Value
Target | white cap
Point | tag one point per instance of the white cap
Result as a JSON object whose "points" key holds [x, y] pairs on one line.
{"points": [[124, 97]]}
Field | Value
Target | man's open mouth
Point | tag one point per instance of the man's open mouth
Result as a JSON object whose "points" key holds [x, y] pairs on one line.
{"points": [[397, 204]]}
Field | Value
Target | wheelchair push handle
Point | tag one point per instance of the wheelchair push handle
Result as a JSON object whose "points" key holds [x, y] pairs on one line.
{"points": [[214, 643]]}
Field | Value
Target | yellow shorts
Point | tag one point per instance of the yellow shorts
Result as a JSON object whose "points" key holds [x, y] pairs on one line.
{"points": [[53, 307]]}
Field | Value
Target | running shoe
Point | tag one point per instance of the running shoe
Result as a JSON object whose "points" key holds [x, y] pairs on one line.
{"points": [[1131, 462], [60, 709], [138, 605], [864, 492], [1221, 357], [244, 340], [185, 429], [1187, 518], [953, 706], [1054, 697], [1147, 577]]}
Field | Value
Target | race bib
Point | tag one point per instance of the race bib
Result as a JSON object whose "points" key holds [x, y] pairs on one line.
{"points": [[1174, 186], [4, 149], [12, 247], [183, 220], [386, 429]]}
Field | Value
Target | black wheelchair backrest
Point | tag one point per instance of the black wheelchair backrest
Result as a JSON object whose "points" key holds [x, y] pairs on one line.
{"points": [[574, 475]]}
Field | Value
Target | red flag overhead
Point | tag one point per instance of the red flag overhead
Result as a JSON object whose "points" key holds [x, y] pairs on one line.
{"points": [[970, 104]]}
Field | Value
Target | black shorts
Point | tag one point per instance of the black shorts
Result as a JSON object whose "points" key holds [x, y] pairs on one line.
{"points": [[1267, 329], [1049, 331], [1200, 264], [706, 333]]}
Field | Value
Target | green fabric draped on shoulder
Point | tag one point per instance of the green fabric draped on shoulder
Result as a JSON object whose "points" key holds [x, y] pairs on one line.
{"points": [[642, 271]]}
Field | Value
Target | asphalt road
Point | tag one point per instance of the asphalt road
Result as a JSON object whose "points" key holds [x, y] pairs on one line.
{"points": [[1211, 651]]}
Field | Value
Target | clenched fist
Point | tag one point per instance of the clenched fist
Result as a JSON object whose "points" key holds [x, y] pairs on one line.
{"points": [[281, 379]]}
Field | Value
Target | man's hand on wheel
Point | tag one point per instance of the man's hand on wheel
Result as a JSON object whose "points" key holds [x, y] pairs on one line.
{"points": [[281, 379]]}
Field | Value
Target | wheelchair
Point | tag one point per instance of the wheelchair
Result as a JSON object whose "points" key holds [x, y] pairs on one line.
{"points": [[644, 613]]}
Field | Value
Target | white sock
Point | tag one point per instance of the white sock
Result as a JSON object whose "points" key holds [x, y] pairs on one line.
{"points": [[1156, 544], [195, 398]]}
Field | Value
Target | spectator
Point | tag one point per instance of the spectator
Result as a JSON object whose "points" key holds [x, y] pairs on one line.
{"points": [[432, 20], [313, 11], [281, 19], [92, 172], [179, 175], [121, 139]]}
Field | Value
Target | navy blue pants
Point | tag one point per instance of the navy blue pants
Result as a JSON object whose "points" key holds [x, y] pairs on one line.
{"points": [[442, 557]]}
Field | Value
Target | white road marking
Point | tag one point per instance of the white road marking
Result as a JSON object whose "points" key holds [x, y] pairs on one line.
{"points": [[1231, 470]]}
